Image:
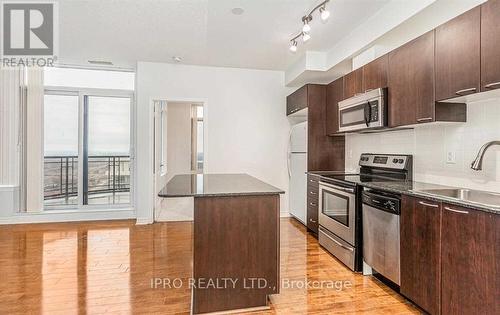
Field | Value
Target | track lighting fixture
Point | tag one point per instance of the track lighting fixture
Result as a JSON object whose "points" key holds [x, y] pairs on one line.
{"points": [[306, 24]]}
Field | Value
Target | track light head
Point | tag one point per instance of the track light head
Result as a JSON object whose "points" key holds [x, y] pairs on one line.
{"points": [[306, 19], [293, 46], [305, 36], [324, 13]]}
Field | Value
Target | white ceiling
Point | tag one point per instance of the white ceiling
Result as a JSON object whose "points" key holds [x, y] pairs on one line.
{"points": [[202, 32]]}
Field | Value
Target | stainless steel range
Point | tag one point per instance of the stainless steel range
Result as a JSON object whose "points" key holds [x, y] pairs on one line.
{"points": [[340, 203]]}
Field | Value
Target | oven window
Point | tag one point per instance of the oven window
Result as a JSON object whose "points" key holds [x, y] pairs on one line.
{"points": [[352, 116], [336, 207]]}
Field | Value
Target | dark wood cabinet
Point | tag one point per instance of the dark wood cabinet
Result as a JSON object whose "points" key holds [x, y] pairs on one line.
{"points": [[375, 73], [353, 83], [411, 82], [312, 203], [296, 101], [334, 94], [490, 45], [458, 56], [420, 243], [470, 261], [324, 153]]}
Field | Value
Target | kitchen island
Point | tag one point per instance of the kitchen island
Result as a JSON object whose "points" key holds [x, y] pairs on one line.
{"points": [[235, 240]]}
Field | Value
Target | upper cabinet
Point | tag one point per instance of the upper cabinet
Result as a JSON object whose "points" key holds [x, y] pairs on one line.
{"points": [[353, 83], [334, 94], [490, 45], [458, 55], [411, 82], [296, 101], [375, 74], [323, 152]]}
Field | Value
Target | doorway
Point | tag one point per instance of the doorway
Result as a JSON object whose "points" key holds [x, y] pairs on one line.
{"points": [[179, 148]]}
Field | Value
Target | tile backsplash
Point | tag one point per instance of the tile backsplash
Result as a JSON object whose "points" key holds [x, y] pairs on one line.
{"points": [[430, 145]]}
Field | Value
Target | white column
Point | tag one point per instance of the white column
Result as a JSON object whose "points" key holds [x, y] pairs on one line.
{"points": [[34, 140], [10, 84]]}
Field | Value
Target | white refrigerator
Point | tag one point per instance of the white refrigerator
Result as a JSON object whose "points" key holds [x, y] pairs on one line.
{"points": [[297, 167]]}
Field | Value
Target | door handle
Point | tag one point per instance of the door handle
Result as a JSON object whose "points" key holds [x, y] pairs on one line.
{"points": [[428, 204], [338, 243], [313, 193], [367, 114], [311, 220], [466, 91], [456, 211], [424, 119], [491, 85], [312, 204]]}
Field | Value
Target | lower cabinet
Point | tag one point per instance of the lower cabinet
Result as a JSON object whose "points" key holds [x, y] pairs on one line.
{"points": [[450, 258], [470, 250], [420, 252], [312, 203]]}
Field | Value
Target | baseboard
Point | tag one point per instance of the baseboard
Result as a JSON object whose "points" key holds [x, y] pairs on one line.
{"points": [[143, 221], [285, 214], [60, 216]]}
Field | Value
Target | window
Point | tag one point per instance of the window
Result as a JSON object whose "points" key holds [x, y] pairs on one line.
{"points": [[87, 140], [197, 138]]}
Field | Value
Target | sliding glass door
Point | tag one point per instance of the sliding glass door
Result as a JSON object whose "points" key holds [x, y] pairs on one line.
{"points": [[88, 149]]}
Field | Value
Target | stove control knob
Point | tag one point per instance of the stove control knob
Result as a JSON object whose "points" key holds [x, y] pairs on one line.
{"points": [[395, 161], [401, 161]]}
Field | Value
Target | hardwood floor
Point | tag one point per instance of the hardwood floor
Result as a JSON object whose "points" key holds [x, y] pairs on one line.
{"points": [[108, 267]]}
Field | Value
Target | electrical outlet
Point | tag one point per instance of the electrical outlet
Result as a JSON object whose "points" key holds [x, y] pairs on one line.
{"points": [[451, 157]]}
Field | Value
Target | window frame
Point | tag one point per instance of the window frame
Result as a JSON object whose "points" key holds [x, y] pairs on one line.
{"points": [[82, 93]]}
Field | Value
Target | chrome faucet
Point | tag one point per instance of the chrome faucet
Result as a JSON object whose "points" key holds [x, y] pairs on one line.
{"points": [[477, 165]]}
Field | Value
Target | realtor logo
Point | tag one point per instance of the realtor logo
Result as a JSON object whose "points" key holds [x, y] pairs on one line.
{"points": [[28, 28]]}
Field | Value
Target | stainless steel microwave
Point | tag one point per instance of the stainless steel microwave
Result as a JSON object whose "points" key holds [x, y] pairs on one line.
{"points": [[364, 111]]}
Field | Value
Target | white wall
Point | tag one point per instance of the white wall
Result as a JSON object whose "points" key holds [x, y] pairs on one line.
{"points": [[430, 144], [246, 126], [178, 139]]}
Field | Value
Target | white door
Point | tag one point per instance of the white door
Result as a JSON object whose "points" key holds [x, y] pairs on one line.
{"points": [[298, 186]]}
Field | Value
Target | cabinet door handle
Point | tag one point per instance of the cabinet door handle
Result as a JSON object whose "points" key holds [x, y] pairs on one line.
{"points": [[456, 211], [466, 91], [312, 204], [491, 85], [311, 220], [312, 180], [424, 119], [428, 204], [312, 193]]}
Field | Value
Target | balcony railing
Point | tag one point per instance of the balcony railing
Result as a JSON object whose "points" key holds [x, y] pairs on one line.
{"points": [[108, 174]]}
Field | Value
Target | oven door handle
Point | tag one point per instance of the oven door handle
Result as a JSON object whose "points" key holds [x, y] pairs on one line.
{"points": [[344, 189]]}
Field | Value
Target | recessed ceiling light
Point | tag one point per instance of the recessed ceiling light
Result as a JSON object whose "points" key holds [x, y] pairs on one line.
{"points": [[177, 58], [237, 11]]}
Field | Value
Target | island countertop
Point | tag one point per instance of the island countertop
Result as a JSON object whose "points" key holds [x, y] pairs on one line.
{"points": [[209, 185]]}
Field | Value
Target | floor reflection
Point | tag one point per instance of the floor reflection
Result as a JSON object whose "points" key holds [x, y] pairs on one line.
{"points": [[108, 267]]}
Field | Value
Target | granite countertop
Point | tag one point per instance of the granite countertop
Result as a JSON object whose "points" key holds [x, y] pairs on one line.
{"points": [[210, 185], [417, 189]]}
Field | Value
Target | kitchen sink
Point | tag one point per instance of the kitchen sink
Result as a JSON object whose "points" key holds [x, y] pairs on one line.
{"points": [[475, 196]]}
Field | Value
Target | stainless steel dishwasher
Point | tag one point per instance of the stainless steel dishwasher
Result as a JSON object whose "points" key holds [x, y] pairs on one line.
{"points": [[381, 213]]}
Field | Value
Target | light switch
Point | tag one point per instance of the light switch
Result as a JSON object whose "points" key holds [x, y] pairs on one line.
{"points": [[451, 157]]}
